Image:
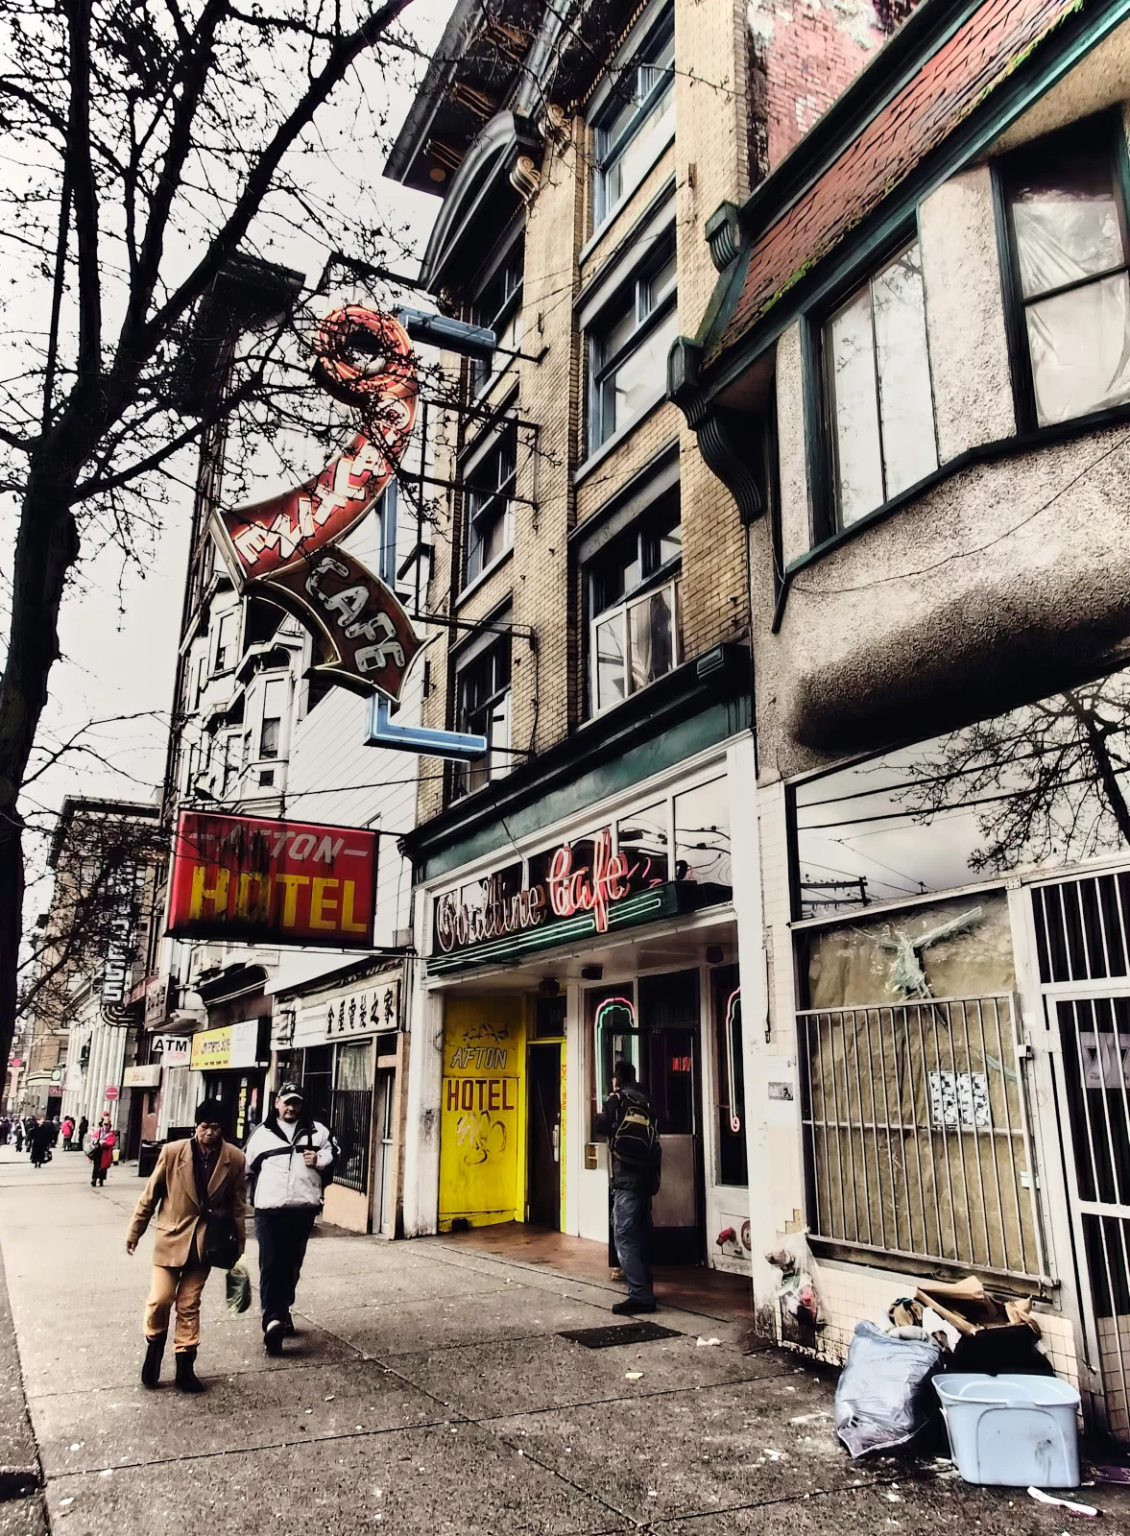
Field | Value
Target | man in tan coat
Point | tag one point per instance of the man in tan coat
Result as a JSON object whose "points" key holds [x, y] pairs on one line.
{"points": [[202, 1177]]}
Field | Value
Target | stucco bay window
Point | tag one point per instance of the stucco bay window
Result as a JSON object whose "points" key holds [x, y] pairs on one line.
{"points": [[635, 118], [879, 402], [628, 345], [482, 708], [1067, 230]]}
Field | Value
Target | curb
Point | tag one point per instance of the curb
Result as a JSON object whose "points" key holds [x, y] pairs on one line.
{"points": [[18, 1480]]}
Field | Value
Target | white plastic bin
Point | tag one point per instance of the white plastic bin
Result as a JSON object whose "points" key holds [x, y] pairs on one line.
{"points": [[1012, 1430]]}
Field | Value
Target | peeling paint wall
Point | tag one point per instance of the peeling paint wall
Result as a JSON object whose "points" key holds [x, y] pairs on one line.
{"points": [[802, 55]]}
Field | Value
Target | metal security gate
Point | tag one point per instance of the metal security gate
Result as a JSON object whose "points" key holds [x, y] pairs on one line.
{"points": [[916, 1133], [1082, 931]]}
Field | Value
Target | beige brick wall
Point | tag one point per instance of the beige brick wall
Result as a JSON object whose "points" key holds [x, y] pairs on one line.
{"points": [[708, 160]]}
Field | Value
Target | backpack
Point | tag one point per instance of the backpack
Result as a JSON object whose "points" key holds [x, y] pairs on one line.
{"points": [[635, 1141]]}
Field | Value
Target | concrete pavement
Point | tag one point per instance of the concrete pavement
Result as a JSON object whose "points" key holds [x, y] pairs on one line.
{"points": [[429, 1391]]}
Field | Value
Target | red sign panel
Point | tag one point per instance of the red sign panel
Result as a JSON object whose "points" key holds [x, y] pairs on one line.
{"points": [[281, 882]]}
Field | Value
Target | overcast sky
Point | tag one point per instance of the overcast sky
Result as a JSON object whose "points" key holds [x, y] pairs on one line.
{"points": [[118, 628]]}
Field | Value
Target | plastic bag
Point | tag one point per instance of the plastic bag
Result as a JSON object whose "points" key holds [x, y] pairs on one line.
{"points": [[881, 1399], [238, 1284]]}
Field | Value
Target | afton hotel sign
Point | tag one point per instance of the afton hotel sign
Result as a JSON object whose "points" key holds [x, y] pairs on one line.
{"points": [[279, 882]]}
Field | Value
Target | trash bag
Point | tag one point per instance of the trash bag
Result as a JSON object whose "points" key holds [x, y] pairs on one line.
{"points": [[238, 1285], [881, 1398]]}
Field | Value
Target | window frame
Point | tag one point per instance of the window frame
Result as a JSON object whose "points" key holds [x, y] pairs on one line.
{"points": [[826, 527], [468, 777], [828, 514], [602, 369], [483, 373], [653, 40], [479, 501], [222, 664], [666, 573], [1099, 127]]}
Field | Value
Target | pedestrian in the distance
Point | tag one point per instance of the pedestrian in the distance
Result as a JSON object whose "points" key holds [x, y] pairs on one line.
{"points": [[288, 1158], [19, 1135], [102, 1151], [68, 1131], [42, 1135], [83, 1128], [628, 1121], [197, 1181]]}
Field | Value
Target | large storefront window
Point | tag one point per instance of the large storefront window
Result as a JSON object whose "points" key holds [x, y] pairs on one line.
{"points": [[352, 1110], [1044, 786], [915, 1125], [338, 1083]]}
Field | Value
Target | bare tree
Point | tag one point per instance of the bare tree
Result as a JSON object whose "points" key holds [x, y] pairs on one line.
{"points": [[148, 145], [1046, 780]]}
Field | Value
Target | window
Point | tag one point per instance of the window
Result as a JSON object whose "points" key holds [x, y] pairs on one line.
{"points": [[1067, 222], [880, 404], [632, 590], [274, 705], [636, 122], [498, 308], [702, 835], [628, 349], [489, 485], [482, 708], [226, 632], [352, 1110]]}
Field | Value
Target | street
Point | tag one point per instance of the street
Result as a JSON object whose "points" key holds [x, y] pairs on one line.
{"points": [[428, 1391]]}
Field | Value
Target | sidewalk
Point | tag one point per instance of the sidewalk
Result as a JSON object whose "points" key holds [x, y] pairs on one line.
{"points": [[430, 1391]]}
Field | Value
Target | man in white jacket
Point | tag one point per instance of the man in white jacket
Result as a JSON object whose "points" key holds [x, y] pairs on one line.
{"points": [[286, 1159]]}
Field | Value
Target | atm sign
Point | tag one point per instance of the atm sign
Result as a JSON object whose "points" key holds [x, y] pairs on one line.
{"points": [[281, 882]]}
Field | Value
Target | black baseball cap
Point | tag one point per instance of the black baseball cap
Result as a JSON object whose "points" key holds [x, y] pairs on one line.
{"points": [[290, 1091]]}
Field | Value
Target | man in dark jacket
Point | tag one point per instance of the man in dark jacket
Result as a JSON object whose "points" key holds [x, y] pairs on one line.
{"points": [[634, 1182]]}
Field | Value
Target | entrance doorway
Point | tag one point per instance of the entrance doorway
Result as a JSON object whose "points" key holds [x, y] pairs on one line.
{"points": [[543, 1139], [383, 1102], [678, 1226], [654, 1024]]}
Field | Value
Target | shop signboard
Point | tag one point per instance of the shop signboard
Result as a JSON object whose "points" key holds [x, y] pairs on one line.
{"points": [[172, 1050], [367, 1007], [665, 900], [276, 882], [287, 549], [157, 990], [148, 1076], [230, 1047]]}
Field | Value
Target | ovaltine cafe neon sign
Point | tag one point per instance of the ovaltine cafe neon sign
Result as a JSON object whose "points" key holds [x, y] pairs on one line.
{"points": [[566, 891]]}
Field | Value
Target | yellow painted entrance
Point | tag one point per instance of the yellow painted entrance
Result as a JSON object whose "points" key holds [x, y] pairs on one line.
{"points": [[483, 1109]]}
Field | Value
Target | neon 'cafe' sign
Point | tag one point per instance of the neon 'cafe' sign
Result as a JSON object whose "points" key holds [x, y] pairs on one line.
{"points": [[568, 889]]}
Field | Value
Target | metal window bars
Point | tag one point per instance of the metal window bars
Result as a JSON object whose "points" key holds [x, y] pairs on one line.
{"points": [[916, 1133]]}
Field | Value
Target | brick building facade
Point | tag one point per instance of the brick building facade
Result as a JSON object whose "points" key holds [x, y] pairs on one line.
{"points": [[590, 584]]}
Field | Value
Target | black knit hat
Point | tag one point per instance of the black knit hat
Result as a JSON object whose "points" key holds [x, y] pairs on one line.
{"points": [[210, 1112]]}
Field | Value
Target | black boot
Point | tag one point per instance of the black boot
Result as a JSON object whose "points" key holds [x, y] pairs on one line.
{"points": [[151, 1370], [186, 1372]]}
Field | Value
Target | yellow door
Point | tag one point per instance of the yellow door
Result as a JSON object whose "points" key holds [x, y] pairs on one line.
{"points": [[482, 1109]]}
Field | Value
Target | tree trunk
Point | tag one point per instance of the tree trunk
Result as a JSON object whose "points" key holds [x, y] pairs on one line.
{"points": [[46, 548], [1094, 734]]}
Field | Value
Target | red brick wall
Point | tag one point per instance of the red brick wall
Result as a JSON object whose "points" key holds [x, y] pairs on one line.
{"points": [[802, 55]]}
